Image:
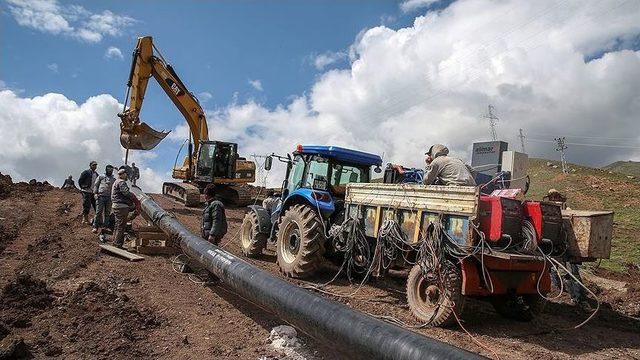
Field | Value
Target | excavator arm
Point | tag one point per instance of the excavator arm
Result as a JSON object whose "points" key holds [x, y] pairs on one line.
{"points": [[137, 135]]}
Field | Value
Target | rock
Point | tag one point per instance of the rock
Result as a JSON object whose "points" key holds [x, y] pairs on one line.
{"points": [[14, 349], [549, 163], [555, 166], [595, 186], [611, 189], [185, 340], [573, 170], [631, 177]]}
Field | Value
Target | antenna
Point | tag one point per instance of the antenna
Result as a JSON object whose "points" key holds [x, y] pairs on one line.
{"points": [[521, 136], [562, 147], [493, 120]]}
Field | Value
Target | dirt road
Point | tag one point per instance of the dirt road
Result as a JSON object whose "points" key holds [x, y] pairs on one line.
{"points": [[62, 297]]}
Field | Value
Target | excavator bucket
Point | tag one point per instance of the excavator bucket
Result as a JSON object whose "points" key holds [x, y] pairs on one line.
{"points": [[141, 137]]}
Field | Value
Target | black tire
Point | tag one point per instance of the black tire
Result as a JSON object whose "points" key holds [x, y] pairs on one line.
{"points": [[252, 241], [300, 242], [433, 302], [518, 307]]}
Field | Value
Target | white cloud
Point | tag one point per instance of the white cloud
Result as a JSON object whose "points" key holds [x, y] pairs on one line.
{"points": [[205, 96], [74, 21], [256, 84], [431, 82], [412, 5], [52, 137], [53, 67], [113, 53], [323, 60]]}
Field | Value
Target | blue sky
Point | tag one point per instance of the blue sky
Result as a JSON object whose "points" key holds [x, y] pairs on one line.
{"points": [[216, 47], [389, 77]]}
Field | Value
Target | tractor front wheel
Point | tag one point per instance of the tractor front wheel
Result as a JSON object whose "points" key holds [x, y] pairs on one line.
{"points": [[252, 240], [434, 298], [300, 242]]}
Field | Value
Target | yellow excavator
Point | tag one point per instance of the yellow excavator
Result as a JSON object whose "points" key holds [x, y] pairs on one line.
{"points": [[207, 162]]}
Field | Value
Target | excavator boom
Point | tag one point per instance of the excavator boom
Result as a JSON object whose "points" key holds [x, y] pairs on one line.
{"points": [[207, 162]]}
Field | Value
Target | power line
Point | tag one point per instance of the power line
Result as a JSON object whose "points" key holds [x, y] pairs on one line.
{"points": [[562, 147], [587, 144], [589, 137]]}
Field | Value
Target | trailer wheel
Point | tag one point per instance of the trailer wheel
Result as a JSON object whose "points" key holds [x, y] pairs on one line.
{"points": [[433, 301], [252, 240], [518, 307], [300, 242]]}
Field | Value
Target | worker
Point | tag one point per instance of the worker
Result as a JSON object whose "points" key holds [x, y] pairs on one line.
{"points": [[555, 196], [214, 220], [86, 181], [121, 204], [69, 183], [102, 192], [445, 170], [135, 172]]}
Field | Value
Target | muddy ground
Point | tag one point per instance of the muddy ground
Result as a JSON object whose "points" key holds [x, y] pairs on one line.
{"points": [[62, 297]]}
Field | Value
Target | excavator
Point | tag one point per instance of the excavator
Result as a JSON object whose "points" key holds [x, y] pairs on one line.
{"points": [[207, 161]]}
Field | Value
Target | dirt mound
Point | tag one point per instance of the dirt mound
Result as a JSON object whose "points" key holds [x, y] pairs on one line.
{"points": [[22, 299], [103, 322], [7, 186]]}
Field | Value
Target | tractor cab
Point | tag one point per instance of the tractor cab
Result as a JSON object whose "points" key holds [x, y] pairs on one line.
{"points": [[318, 175]]}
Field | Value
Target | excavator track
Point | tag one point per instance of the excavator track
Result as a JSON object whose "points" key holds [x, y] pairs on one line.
{"points": [[187, 194], [235, 195]]}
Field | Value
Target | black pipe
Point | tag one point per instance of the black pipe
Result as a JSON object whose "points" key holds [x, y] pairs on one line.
{"points": [[352, 332]]}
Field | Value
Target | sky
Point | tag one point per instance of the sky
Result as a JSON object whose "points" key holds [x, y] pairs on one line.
{"points": [[389, 77]]}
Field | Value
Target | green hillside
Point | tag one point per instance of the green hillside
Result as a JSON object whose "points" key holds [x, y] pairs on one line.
{"points": [[625, 167], [596, 189]]}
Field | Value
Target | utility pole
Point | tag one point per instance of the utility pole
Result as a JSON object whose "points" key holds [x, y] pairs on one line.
{"points": [[521, 136], [493, 120], [562, 147]]}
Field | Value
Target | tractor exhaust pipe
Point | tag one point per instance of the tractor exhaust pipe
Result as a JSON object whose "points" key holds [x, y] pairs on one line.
{"points": [[354, 333]]}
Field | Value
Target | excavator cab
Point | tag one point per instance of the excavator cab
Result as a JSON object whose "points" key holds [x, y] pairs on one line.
{"points": [[215, 159]]}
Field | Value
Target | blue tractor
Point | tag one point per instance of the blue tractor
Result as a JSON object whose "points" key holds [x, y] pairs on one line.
{"points": [[311, 201]]}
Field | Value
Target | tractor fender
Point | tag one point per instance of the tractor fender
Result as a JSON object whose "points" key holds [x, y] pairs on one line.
{"points": [[264, 220], [304, 196]]}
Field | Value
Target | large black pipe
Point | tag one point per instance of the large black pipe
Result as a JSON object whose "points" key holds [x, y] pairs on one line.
{"points": [[352, 332]]}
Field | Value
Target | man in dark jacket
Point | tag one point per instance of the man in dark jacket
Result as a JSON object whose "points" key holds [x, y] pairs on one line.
{"points": [[69, 183], [86, 181], [214, 220], [121, 204]]}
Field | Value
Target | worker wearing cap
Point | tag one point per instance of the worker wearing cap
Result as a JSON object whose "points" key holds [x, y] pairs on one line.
{"points": [[135, 173], [102, 192], [86, 181], [445, 170], [121, 204]]}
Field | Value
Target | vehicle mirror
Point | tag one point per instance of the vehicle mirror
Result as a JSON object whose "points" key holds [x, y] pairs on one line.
{"points": [[268, 161], [377, 170]]}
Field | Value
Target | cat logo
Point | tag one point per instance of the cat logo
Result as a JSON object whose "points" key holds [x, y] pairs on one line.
{"points": [[174, 87]]}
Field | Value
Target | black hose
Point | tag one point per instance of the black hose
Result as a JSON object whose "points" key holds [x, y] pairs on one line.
{"points": [[354, 333]]}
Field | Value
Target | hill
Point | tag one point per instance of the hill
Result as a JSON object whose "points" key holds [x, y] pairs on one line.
{"points": [[597, 189], [625, 167]]}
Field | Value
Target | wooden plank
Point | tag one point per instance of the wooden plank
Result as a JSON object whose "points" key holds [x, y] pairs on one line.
{"points": [[121, 252], [152, 236], [156, 250]]}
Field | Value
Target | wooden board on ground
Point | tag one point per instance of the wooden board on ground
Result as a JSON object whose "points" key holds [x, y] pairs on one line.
{"points": [[121, 252]]}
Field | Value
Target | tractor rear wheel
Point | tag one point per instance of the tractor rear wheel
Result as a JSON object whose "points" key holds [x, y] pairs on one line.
{"points": [[434, 299], [518, 307], [300, 242], [252, 240]]}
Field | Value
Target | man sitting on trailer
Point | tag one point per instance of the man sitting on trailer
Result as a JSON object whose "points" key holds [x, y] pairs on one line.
{"points": [[445, 170]]}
